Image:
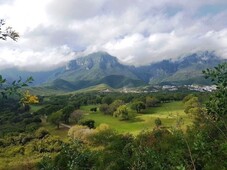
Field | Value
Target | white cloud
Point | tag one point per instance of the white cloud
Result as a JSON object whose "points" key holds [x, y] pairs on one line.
{"points": [[138, 32], [36, 61]]}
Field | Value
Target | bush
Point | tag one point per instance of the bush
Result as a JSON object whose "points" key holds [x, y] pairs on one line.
{"points": [[79, 132], [41, 133], [122, 113], [88, 123], [106, 109], [94, 109]]}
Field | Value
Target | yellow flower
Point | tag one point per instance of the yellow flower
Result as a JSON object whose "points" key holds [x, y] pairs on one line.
{"points": [[28, 98]]}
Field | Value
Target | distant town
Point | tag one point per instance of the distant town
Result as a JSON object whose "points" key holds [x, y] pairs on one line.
{"points": [[158, 88]]}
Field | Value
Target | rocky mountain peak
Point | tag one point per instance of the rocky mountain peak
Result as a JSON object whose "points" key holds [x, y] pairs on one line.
{"points": [[100, 59]]}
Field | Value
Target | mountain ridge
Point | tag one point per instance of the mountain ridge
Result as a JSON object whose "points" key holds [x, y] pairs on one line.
{"points": [[102, 68]]}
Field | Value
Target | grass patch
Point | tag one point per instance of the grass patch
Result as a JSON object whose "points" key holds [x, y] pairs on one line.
{"points": [[169, 113], [34, 108]]}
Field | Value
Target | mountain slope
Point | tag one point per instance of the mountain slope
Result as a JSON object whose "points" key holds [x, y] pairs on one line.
{"points": [[102, 68], [184, 70], [96, 68]]}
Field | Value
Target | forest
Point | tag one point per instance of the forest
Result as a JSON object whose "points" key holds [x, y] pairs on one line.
{"points": [[98, 130]]}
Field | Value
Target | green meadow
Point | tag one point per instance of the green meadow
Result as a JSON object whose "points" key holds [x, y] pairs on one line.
{"points": [[169, 113]]}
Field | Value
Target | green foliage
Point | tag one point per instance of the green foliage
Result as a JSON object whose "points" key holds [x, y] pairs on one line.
{"points": [[202, 146], [66, 112], [115, 104], [151, 101], [7, 32], [217, 106], [106, 109], [88, 123], [12, 89], [158, 122], [191, 105], [122, 113], [94, 109], [107, 100], [138, 106], [103, 136], [55, 118], [73, 156], [41, 133], [188, 97], [2, 80], [14, 119]]}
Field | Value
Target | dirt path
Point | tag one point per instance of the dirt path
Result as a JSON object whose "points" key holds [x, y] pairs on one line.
{"points": [[65, 125]]}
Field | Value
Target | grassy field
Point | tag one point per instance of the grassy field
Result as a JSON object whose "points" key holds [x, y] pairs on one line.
{"points": [[169, 113], [34, 108]]}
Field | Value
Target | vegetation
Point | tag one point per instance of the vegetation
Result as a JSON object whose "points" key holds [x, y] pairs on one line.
{"points": [[7, 32], [96, 130], [138, 106]]}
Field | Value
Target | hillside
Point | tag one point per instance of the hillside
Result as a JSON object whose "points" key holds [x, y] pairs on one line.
{"points": [[184, 70], [94, 69], [102, 68]]}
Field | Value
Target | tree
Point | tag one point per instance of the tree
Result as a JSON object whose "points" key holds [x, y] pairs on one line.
{"points": [[11, 89], [138, 106], [217, 105], [93, 109], [107, 100], [55, 118], [192, 105], [116, 104], [76, 116], [41, 133], [88, 123], [29, 99], [122, 113], [7, 32], [151, 101], [105, 108], [188, 97], [158, 122], [66, 112]]}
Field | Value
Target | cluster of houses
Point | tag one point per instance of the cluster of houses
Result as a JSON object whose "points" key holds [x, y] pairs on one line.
{"points": [[200, 88]]}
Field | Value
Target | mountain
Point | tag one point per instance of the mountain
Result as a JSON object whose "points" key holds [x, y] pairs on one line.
{"points": [[93, 69], [102, 68], [181, 71]]}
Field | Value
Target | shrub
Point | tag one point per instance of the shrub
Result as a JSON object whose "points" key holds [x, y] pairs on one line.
{"points": [[79, 132], [41, 133], [88, 123]]}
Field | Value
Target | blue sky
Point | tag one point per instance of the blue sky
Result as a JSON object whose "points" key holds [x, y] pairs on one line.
{"points": [[137, 32]]}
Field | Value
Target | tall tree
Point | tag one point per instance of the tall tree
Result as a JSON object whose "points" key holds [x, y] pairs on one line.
{"points": [[66, 112], [122, 113], [217, 106], [138, 106]]}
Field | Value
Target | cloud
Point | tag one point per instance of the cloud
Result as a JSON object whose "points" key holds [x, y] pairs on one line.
{"points": [[138, 33], [36, 61]]}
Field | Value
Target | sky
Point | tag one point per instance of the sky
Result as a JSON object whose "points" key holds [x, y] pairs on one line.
{"points": [[137, 32]]}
